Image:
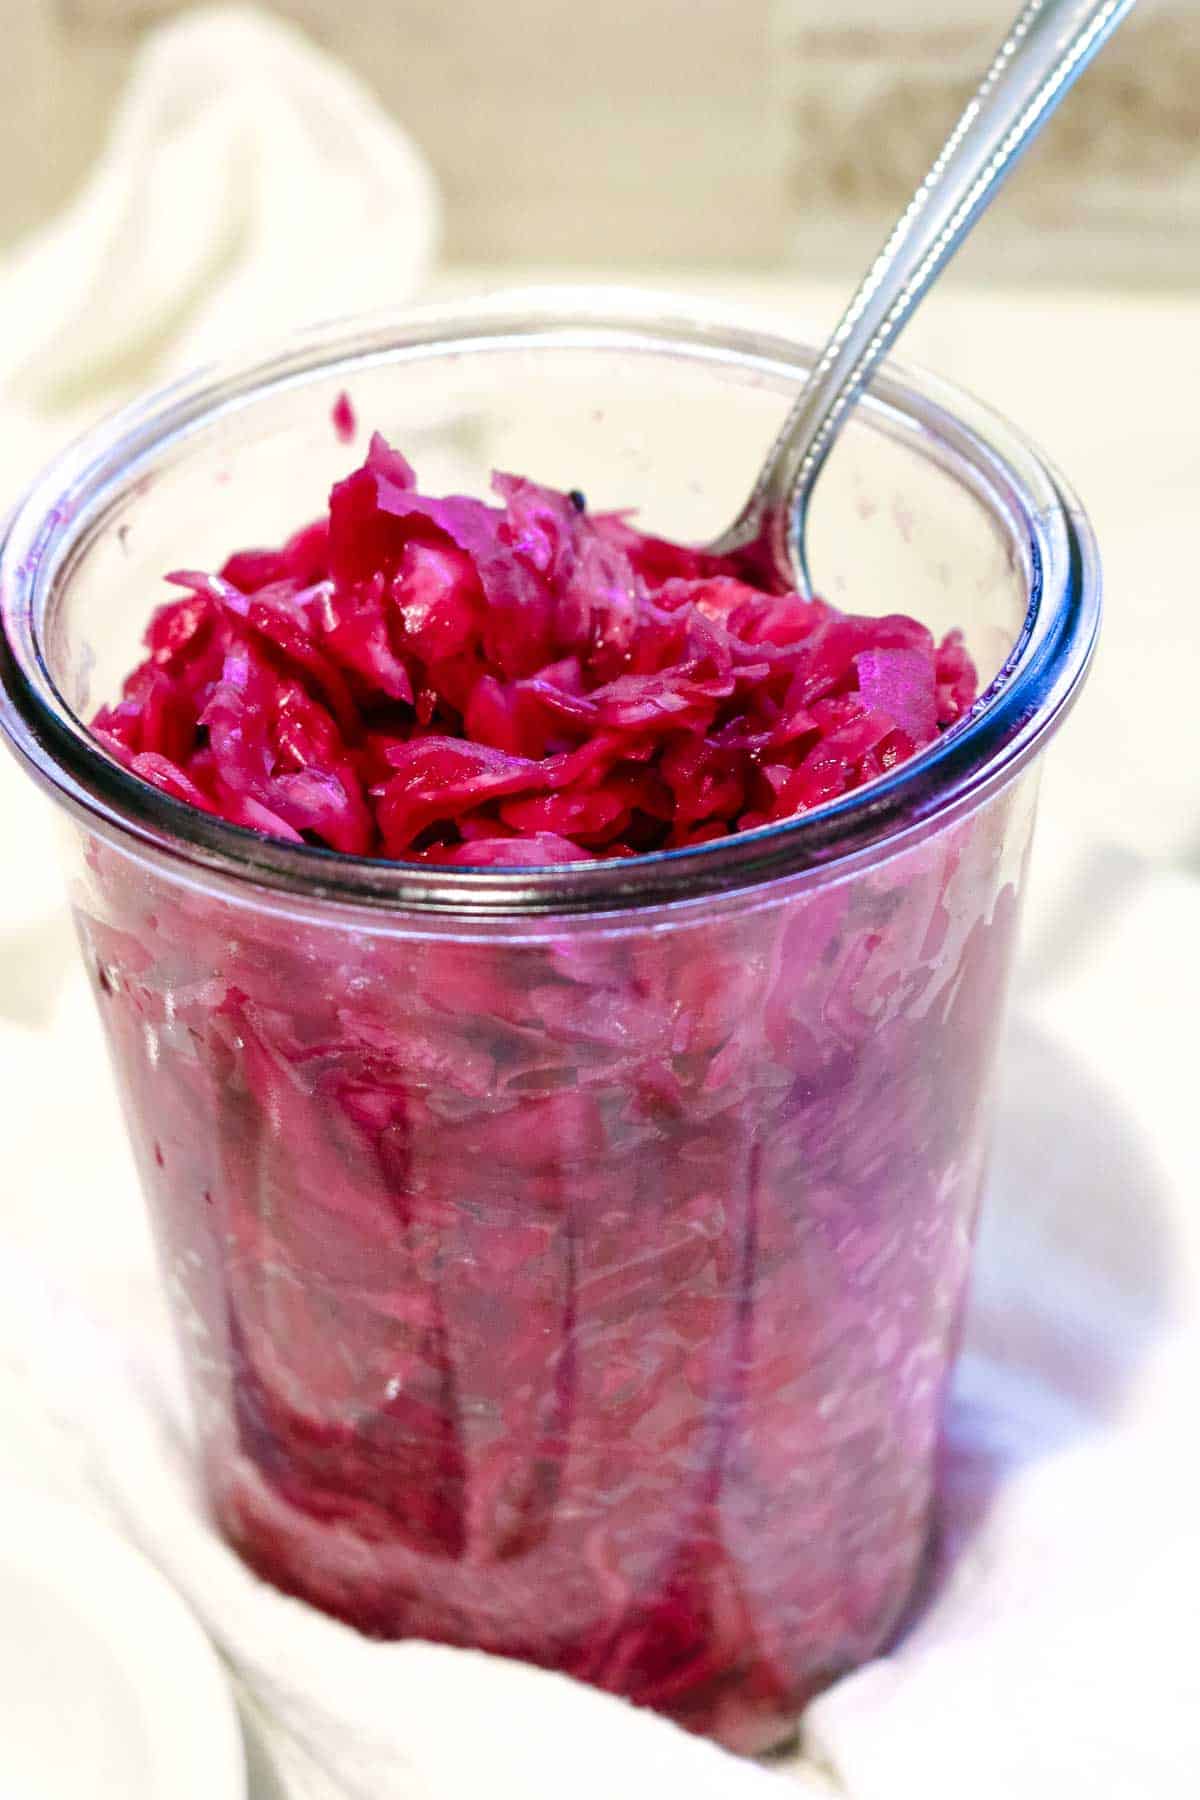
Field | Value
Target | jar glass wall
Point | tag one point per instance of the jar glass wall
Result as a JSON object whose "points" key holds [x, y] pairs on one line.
{"points": [[567, 1263]]}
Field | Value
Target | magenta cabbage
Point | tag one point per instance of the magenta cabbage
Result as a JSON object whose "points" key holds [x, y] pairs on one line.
{"points": [[455, 682], [581, 1289]]}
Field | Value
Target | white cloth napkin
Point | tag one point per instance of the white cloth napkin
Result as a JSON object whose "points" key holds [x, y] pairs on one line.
{"points": [[1055, 1656], [249, 185]]}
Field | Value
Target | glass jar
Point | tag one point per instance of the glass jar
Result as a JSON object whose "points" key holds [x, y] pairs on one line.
{"points": [[567, 1262]]}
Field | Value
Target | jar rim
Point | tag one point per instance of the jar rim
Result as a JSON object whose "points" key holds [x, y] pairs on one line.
{"points": [[1046, 525]]}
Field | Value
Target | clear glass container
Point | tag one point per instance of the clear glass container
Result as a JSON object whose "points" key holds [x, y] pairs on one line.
{"points": [[567, 1262]]}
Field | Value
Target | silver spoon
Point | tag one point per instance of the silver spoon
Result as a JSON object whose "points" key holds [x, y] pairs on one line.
{"points": [[1047, 48]]}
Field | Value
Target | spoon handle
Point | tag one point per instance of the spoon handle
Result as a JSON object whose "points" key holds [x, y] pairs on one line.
{"points": [[1047, 48]]}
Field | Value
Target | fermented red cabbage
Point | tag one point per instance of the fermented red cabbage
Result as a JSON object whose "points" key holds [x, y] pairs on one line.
{"points": [[579, 1288], [345, 422], [434, 679]]}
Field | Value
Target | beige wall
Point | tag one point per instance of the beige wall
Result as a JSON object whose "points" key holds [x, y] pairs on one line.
{"points": [[1113, 188], [684, 131]]}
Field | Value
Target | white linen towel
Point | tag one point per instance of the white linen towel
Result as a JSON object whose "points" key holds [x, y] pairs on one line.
{"points": [[249, 185]]}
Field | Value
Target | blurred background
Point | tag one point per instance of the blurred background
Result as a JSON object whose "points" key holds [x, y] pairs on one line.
{"points": [[767, 134]]}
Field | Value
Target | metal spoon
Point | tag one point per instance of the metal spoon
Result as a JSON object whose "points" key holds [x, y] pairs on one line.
{"points": [[1047, 48]]}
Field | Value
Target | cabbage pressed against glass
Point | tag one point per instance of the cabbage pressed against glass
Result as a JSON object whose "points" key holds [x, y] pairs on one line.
{"points": [[586, 1294]]}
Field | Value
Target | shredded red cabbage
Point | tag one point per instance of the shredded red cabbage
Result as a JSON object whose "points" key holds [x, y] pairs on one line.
{"points": [[586, 1294], [448, 681], [345, 423]]}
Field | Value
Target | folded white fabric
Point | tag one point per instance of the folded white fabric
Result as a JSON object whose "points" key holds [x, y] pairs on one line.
{"points": [[249, 184]]}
